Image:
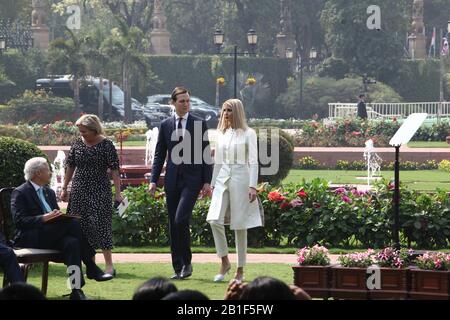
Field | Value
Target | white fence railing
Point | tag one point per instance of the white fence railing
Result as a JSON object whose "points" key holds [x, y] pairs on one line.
{"points": [[390, 110]]}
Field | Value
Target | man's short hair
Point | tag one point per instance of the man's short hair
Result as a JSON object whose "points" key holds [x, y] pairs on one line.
{"points": [[33, 166], [177, 91], [362, 95]]}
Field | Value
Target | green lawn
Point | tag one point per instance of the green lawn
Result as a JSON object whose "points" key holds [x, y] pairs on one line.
{"points": [[417, 180], [428, 144], [131, 275]]}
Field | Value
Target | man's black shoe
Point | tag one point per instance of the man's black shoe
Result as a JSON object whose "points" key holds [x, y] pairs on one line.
{"points": [[176, 276], [97, 274], [77, 294], [186, 271]]}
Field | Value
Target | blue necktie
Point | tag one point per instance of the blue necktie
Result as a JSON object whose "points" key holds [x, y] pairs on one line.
{"points": [[40, 193]]}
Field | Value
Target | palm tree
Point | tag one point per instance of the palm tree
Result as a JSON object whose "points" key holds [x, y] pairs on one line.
{"points": [[97, 63], [125, 45], [69, 53]]}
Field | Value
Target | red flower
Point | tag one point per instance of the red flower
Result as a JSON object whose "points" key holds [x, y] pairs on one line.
{"points": [[394, 119], [302, 194], [284, 205], [275, 196], [316, 205], [356, 133], [391, 185]]}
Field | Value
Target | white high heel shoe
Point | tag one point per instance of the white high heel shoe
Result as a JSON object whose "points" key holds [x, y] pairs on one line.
{"points": [[220, 277]]}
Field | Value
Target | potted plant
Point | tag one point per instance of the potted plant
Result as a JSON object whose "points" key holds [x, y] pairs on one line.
{"points": [[311, 273], [394, 274], [431, 277], [349, 277]]}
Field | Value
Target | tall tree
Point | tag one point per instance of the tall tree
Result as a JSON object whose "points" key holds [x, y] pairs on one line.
{"points": [[15, 9], [307, 29], [261, 15], [192, 24], [68, 52], [97, 62], [377, 53], [124, 44]]}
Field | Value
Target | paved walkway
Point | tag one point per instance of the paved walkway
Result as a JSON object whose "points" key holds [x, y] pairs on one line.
{"points": [[203, 258]]}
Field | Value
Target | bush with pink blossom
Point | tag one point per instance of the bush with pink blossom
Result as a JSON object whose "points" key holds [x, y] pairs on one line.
{"points": [[313, 256]]}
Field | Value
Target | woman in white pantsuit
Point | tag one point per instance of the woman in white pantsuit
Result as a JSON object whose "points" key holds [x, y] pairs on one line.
{"points": [[234, 181]]}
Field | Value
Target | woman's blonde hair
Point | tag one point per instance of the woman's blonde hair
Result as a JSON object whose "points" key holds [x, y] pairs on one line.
{"points": [[90, 121], [239, 120]]}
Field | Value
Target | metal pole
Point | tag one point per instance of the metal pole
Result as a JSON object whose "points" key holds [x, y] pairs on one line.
{"points": [[396, 237], [301, 87], [441, 81], [235, 70]]}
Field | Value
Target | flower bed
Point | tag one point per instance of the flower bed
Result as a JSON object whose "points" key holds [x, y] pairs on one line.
{"points": [[370, 275]]}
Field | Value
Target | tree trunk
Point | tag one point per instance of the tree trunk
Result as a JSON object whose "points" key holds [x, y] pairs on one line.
{"points": [[127, 99], [110, 108], [76, 95], [100, 97]]}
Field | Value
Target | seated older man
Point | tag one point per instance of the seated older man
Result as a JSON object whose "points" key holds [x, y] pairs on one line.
{"points": [[38, 225]]}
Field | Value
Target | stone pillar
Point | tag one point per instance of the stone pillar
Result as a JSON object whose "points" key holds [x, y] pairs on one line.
{"points": [[41, 33], [417, 40], [159, 37]]}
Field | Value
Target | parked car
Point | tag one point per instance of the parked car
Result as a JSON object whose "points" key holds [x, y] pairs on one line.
{"points": [[200, 108], [61, 85]]}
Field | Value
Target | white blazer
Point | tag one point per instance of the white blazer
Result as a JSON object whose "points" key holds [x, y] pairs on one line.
{"points": [[235, 170]]}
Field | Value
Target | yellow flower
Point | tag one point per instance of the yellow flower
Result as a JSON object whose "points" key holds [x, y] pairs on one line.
{"points": [[220, 81], [250, 81]]}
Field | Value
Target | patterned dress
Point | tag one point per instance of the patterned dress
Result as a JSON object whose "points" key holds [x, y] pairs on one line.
{"points": [[91, 194]]}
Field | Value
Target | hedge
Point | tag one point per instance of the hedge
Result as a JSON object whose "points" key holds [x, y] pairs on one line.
{"points": [[13, 155], [304, 214]]}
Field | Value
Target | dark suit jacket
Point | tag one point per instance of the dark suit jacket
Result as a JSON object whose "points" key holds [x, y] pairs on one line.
{"points": [[195, 175], [27, 212]]}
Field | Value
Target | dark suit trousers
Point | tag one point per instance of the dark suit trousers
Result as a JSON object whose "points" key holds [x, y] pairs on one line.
{"points": [[180, 203], [8, 263], [66, 236]]}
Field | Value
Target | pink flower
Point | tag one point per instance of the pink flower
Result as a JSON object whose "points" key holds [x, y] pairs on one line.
{"points": [[339, 190], [295, 203], [346, 199]]}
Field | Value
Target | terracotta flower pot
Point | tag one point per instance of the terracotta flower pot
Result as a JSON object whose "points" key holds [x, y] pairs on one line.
{"points": [[430, 284], [313, 279], [348, 283], [394, 284]]}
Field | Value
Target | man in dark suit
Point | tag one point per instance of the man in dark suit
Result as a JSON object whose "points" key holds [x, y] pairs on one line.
{"points": [[362, 111], [39, 224], [183, 140], [8, 262]]}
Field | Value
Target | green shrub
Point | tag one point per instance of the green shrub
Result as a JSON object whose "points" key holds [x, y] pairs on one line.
{"points": [[308, 163], [304, 214], [145, 220], [12, 131], [444, 165], [284, 157], [13, 155], [37, 107], [428, 165]]}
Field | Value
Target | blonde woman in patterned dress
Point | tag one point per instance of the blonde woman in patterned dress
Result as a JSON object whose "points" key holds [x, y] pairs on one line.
{"points": [[88, 162]]}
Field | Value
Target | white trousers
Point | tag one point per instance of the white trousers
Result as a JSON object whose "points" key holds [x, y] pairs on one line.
{"points": [[220, 242]]}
